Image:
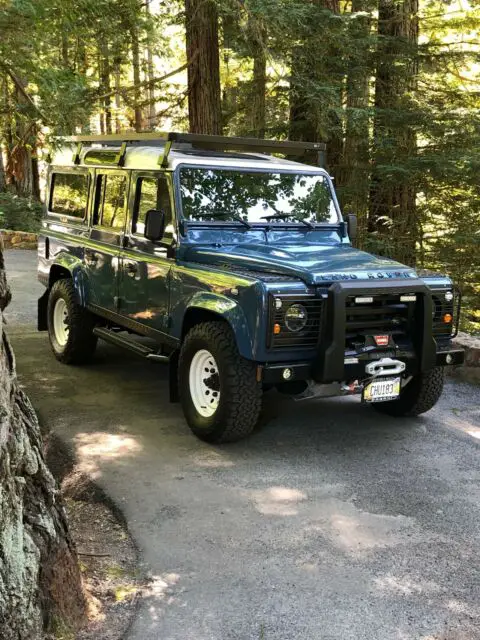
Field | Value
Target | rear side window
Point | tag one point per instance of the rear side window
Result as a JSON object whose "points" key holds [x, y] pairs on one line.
{"points": [[110, 202], [69, 193]]}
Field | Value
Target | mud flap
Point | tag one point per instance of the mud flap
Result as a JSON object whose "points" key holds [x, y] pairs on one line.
{"points": [[42, 323]]}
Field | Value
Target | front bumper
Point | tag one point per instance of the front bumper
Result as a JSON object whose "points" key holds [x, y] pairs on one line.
{"points": [[274, 373]]}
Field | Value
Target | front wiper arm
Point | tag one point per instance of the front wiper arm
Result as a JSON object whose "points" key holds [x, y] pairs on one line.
{"points": [[233, 216], [284, 216]]}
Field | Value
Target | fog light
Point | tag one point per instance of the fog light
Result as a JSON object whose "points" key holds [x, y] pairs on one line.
{"points": [[287, 374], [448, 358], [447, 318], [364, 300]]}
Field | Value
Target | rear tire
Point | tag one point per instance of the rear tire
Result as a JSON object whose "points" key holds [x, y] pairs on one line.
{"points": [[420, 395], [70, 326], [219, 392]]}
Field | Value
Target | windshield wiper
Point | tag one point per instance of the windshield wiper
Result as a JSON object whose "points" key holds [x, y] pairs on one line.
{"points": [[233, 216], [284, 216]]}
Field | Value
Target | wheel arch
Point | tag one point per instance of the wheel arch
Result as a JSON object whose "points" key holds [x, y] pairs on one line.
{"points": [[68, 266], [211, 308]]}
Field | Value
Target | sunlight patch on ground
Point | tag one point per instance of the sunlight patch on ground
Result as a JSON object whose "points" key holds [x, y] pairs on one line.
{"points": [[356, 531], [212, 459], [278, 501], [161, 588], [467, 420], [94, 448], [405, 586]]}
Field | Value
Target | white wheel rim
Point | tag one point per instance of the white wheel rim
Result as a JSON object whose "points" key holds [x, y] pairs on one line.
{"points": [[60, 322], [204, 383]]}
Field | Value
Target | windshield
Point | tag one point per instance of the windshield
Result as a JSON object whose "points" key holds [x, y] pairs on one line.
{"points": [[229, 195]]}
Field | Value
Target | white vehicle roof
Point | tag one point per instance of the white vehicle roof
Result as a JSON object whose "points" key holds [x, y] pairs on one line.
{"points": [[148, 157], [168, 151]]}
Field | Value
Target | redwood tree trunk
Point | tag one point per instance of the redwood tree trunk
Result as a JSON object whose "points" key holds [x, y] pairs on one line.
{"points": [[256, 104], [356, 159], [204, 101], [3, 181], [137, 94], [150, 74], [311, 117], [392, 212], [40, 584]]}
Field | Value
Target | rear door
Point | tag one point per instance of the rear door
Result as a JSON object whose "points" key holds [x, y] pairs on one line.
{"points": [[108, 218], [144, 285]]}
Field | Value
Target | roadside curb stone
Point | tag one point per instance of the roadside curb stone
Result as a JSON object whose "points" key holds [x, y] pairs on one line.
{"points": [[470, 371], [18, 239]]}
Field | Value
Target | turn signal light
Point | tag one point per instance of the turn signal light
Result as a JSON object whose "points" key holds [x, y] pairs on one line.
{"points": [[276, 329], [447, 318]]}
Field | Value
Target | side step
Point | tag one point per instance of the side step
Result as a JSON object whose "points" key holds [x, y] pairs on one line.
{"points": [[129, 343]]}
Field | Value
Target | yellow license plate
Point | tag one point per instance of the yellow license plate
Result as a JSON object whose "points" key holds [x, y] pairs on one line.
{"points": [[382, 390]]}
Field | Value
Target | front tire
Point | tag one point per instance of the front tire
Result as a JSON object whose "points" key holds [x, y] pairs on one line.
{"points": [[70, 326], [420, 395], [219, 393]]}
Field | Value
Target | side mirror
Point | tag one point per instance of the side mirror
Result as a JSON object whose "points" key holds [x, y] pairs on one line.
{"points": [[154, 225], [352, 226]]}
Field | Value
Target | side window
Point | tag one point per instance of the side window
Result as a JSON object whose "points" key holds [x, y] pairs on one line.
{"points": [[151, 193], [69, 192], [110, 201]]}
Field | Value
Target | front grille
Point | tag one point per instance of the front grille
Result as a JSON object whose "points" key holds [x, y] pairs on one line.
{"points": [[441, 307], [386, 315], [306, 338]]}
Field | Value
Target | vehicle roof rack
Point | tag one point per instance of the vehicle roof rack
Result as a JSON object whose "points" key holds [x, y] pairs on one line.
{"points": [[200, 141]]}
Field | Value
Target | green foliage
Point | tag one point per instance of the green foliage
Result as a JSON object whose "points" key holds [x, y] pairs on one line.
{"points": [[20, 214]]}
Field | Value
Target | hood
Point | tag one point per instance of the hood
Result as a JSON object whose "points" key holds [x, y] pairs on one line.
{"points": [[313, 263]]}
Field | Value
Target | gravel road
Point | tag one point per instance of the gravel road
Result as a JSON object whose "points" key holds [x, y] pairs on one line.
{"points": [[331, 522]]}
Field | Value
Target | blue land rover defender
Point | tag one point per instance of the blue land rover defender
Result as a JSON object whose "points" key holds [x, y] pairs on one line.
{"points": [[236, 267]]}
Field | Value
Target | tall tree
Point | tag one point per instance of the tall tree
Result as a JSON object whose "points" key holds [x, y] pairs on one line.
{"points": [[204, 102], [39, 574], [355, 170], [150, 70], [393, 191], [256, 114], [316, 84]]}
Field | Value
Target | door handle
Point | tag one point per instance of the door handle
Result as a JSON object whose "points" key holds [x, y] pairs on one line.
{"points": [[90, 258], [131, 269]]}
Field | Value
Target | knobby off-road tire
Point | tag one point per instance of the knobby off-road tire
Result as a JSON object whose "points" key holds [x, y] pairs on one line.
{"points": [[239, 395], [419, 396], [79, 344]]}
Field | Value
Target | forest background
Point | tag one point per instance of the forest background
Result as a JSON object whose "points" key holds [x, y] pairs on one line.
{"points": [[392, 87]]}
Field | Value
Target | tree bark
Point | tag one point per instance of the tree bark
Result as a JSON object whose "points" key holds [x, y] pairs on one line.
{"points": [[3, 181], [21, 156], [355, 170], [40, 583], [204, 97], [310, 118], [137, 94], [256, 104], [105, 82], [150, 74], [392, 212]]}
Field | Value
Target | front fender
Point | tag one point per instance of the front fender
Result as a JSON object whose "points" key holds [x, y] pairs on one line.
{"points": [[65, 262], [228, 310]]}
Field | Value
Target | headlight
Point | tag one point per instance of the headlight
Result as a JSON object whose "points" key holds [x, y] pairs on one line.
{"points": [[296, 317]]}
